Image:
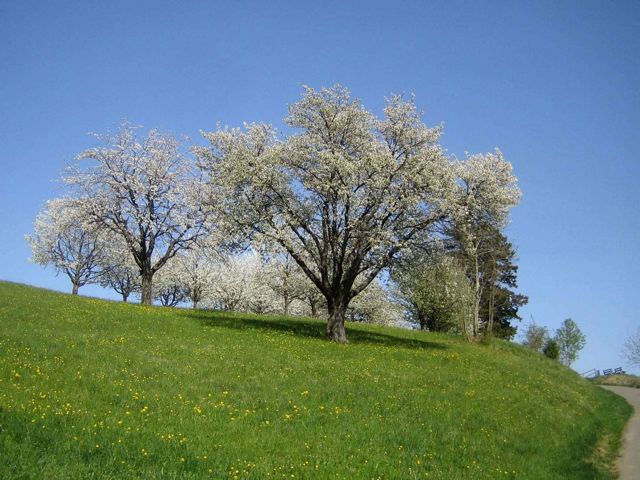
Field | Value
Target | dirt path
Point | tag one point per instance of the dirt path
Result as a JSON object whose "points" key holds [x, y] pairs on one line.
{"points": [[629, 463]]}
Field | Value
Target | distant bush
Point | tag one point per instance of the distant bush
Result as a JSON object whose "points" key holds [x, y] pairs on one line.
{"points": [[551, 349]]}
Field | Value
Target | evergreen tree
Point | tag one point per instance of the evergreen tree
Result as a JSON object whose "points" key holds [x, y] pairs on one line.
{"points": [[498, 273]]}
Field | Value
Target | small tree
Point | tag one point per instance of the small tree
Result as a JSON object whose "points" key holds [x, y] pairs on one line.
{"points": [[144, 192], [120, 272], [63, 239], [375, 305], [631, 349], [436, 291], [194, 271], [570, 340], [536, 337], [286, 280], [168, 289]]}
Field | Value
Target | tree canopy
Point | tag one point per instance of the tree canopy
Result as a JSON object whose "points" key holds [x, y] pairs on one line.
{"points": [[343, 195], [142, 191]]}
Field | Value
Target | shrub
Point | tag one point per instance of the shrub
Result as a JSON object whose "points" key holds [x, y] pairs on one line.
{"points": [[551, 349]]}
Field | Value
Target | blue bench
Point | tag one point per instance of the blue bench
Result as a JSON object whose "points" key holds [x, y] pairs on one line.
{"points": [[611, 371]]}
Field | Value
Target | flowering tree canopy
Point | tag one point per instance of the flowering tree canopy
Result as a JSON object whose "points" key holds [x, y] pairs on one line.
{"points": [[168, 288], [375, 305], [287, 280], [119, 270], [343, 195], [239, 283], [335, 202], [193, 269], [144, 192], [486, 191], [63, 239]]}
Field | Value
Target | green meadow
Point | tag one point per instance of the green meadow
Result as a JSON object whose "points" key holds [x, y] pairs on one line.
{"points": [[98, 389]]}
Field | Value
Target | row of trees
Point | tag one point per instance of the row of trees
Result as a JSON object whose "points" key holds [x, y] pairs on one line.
{"points": [[565, 344], [259, 283], [438, 286], [346, 197], [203, 275]]}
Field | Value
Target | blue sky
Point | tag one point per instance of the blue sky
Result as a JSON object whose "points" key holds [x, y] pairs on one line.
{"points": [[554, 85]]}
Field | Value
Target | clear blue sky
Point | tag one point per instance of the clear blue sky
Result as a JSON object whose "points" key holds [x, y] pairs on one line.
{"points": [[554, 85]]}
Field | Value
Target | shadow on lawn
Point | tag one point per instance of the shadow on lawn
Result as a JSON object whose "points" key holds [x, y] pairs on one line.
{"points": [[309, 329]]}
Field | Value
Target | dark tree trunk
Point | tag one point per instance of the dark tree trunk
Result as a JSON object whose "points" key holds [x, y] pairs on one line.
{"points": [[335, 323], [314, 307], [147, 293], [196, 296], [421, 315], [74, 289], [125, 296]]}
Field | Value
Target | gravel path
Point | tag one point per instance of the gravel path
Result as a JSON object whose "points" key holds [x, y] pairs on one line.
{"points": [[629, 463]]}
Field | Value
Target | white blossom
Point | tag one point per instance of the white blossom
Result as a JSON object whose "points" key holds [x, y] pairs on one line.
{"points": [[145, 192], [168, 288], [375, 305], [119, 270], [64, 239], [194, 270], [239, 283], [343, 196]]}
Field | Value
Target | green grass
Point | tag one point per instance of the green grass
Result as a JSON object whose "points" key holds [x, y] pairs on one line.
{"points": [[624, 380], [95, 389]]}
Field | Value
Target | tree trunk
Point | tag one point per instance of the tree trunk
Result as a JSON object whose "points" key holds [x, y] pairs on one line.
{"points": [[286, 302], [74, 289], [424, 321], [147, 293], [125, 296], [314, 307], [196, 296], [477, 299], [335, 323], [492, 296]]}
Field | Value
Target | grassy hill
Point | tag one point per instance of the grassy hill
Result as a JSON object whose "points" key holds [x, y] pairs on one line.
{"points": [[95, 389], [620, 380]]}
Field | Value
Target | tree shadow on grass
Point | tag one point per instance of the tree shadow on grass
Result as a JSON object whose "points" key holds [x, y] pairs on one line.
{"points": [[307, 328]]}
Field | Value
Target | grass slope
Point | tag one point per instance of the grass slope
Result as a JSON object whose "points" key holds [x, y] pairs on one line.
{"points": [[620, 380], [94, 389]]}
